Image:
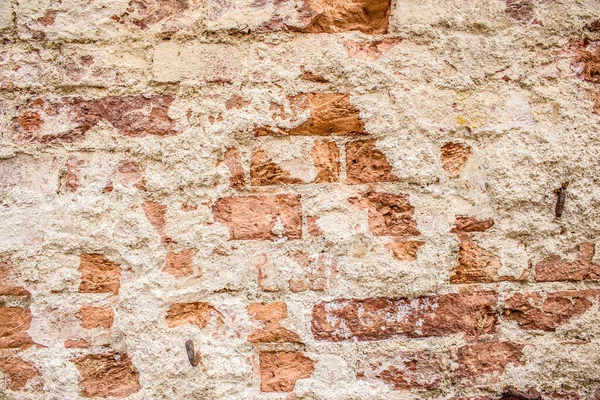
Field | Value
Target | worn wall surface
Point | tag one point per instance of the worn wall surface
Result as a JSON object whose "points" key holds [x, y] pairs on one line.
{"points": [[326, 199]]}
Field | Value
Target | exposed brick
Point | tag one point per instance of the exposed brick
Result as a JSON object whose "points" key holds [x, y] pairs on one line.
{"points": [[371, 51], [260, 217], [96, 317], [454, 157], [180, 264], [263, 171], [547, 311], [107, 375], [233, 161], [264, 271], [271, 316], [486, 358], [6, 287], [366, 164], [405, 250], [466, 224], [131, 174], [326, 157], [318, 272], [475, 264], [389, 214], [313, 228], [330, 114], [157, 215], [402, 370], [586, 59], [368, 16], [520, 10], [72, 180], [69, 119], [18, 372], [279, 370], [558, 269], [99, 274], [77, 344], [14, 323], [384, 318], [199, 314]]}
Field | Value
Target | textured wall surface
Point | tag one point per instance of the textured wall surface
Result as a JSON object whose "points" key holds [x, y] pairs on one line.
{"points": [[325, 199]]}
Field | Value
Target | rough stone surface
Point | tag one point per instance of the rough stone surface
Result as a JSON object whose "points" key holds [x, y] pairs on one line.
{"points": [[300, 199]]}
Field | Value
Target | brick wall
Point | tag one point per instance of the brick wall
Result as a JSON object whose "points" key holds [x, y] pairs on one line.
{"points": [[300, 199]]}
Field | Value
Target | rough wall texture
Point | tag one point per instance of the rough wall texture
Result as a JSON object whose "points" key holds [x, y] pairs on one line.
{"points": [[300, 199]]}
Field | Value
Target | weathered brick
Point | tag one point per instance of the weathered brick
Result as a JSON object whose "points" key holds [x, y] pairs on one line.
{"points": [[260, 217], [77, 344], [199, 314], [384, 318], [466, 224], [270, 315], [547, 311], [326, 157], [454, 157], [558, 269], [330, 114], [279, 370], [99, 274], [96, 317], [586, 59], [520, 10], [180, 263], [389, 214], [6, 287], [405, 250], [366, 164], [107, 375], [263, 171], [476, 264], [18, 372], [318, 272], [486, 358], [233, 160], [131, 174], [157, 215], [403, 370], [14, 323]]}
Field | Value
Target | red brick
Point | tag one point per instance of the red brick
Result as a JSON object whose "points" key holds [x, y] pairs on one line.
{"points": [[107, 375], [279, 370], [199, 314], [326, 157], [233, 161], [263, 171], [6, 287], [77, 344], [96, 317], [270, 315], [486, 358], [466, 224], [256, 217], [547, 311], [99, 274], [389, 214], [405, 250], [157, 215], [558, 269], [18, 372], [14, 323], [318, 272], [454, 157], [476, 264], [586, 60], [368, 16], [366, 164], [181, 263], [330, 114], [384, 318], [403, 370]]}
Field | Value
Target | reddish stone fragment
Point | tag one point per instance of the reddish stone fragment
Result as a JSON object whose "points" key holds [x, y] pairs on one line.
{"points": [[260, 217], [199, 314], [77, 344], [405, 250], [6, 288], [74, 167], [366, 164], [389, 214], [236, 101], [558, 269], [18, 372], [547, 311], [99, 274], [271, 316], [330, 114], [368, 16], [131, 174], [403, 370], [233, 161], [485, 358], [326, 157], [370, 50], [465, 224], [475, 264], [279, 370], [14, 323], [107, 375], [454, 157], [520, 10], [384, 318], [157, 215], [180, 264], [313, 228], [96, 317], [586, 60], [263, 171]]}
